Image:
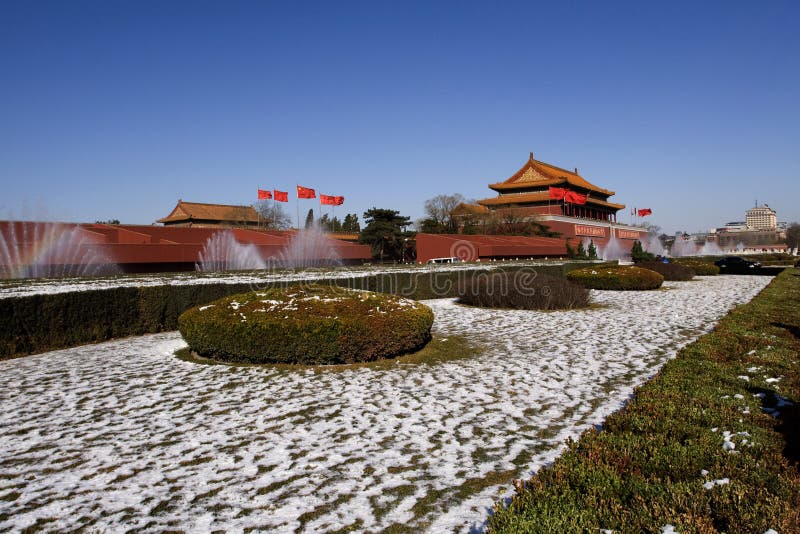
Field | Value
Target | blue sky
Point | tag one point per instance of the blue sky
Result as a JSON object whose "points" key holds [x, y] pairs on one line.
{"points": [[116, 109]]}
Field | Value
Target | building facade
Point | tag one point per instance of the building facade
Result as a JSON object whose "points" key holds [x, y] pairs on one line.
{"points": [[762, 218]]}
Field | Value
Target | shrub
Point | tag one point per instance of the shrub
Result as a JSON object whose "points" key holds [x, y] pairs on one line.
{"points": [[700, 267], [306, 324], [639, 255], [670, 271], [532, 292], [37, 323], [620, 278]]}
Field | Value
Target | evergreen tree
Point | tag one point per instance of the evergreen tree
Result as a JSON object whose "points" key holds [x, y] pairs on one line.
{"points": [[385, 233], [592, 250], [638, 253], [570, 251], [310, 219], [580, 254], [350, 223]]}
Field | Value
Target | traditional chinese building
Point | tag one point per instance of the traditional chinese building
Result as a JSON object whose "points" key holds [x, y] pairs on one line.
{"points": [[528, 191], [560, 199], [199, 215]]}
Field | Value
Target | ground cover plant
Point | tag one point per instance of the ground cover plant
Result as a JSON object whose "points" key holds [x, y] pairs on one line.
{"points": [[711, 444], [306, 324], [673, 272], [701, 267], [505, 290], [616, 277]]}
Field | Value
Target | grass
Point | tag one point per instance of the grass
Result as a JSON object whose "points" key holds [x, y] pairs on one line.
{"points": [[438, 350], [647, 466]]}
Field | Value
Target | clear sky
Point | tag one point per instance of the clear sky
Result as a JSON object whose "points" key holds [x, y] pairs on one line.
{"points": [[116, 109]]}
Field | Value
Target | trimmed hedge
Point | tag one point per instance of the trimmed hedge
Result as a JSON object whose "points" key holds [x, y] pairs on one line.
{"points": [[306, 324], [542, 292], [700, 267], [618, 278], [665, 457], [670, 271], [38, 323]]}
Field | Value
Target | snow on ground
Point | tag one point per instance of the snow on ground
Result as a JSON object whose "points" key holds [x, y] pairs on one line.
{"points": [[40, 286], [123, 435]]}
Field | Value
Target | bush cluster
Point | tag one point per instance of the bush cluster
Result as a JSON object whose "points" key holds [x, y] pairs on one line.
{"points": [[619, 278], [533, 292], [306, 324], [37, 323], [700, 267], [673, 272], [657, 461]]}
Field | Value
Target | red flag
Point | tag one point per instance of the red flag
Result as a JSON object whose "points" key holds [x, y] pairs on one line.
{"points": [[338, 201], [574, 198], [327, 199], [557, 193], [645, 211], [305, 192], [264, 195], [281, 196]]}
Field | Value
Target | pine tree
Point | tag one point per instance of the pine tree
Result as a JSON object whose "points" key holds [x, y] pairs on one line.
{"points": [[592, 250], [638, 253], [310, 218], [570, 251], [581, 252]]}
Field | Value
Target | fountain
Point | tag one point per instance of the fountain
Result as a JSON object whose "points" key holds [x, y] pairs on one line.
{"points": [[614, 251], [222, 252], [42, 249], [652, 244], [683, 247], [310, 247], [710, 248]]}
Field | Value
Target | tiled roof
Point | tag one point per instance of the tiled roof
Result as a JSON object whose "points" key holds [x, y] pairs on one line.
{"points": [[542, 196], [538, 173], [186, 211], [470, 209]]}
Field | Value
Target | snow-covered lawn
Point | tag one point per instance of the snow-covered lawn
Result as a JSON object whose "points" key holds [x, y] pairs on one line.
{"points": [[124, 435]]}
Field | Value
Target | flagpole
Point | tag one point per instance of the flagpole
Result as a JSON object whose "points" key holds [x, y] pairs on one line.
{"points": [[298, 211]]}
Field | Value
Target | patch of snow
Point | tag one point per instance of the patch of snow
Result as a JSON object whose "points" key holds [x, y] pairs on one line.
{"points": [[98, 437], [711, 483]]}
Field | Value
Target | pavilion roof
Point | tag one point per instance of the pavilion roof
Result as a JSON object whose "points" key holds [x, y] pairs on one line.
{"points": [[537, 173], [185, 211], [540, 197]]}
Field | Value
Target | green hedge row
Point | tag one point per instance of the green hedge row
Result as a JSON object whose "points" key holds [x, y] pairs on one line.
{"points": [[617, 278], [699, 266], [711, 444], [674, 272], [542, 292], [326, 325], [39, 323]]}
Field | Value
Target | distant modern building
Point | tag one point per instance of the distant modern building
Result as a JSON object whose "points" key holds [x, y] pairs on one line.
{"points": [[199, 215], [762, 218], [759, 232]]}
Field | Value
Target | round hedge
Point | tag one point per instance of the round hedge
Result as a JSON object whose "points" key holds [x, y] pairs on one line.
{"points": [[700, 267], [309, 324], [620, 278], [531, 292], [670, 271]]}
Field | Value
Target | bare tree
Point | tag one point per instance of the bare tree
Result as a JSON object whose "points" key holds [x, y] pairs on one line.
{"points": [[439, 210], [272, 214]]}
